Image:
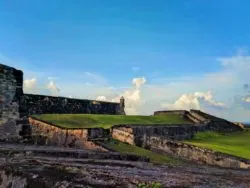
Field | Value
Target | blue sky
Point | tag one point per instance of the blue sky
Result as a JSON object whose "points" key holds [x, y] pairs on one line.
{"points": [[96, 48]]}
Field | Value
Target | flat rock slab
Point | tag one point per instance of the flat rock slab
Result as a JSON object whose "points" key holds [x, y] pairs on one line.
{"points": [[68, 152]]}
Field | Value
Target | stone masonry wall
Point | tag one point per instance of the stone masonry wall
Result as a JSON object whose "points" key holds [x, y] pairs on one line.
{"points": [[139, 134], [47, 134], [10, 93], [170, 112], [197, 154], [163, 139], [41, 104], [14, 104]]}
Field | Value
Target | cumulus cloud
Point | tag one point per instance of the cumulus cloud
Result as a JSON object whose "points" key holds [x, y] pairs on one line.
{"points": [[133, 98], [30, 85], [194, 101], [139, 81], [132, 95], [53, 89], [101, 98]]}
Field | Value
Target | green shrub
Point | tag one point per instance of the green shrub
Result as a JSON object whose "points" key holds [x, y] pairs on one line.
{"points": [[149, 185]]}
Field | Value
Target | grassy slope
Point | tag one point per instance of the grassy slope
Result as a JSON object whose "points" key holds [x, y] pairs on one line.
{"points": [[154, 157], [237, 144], [105, 121]]}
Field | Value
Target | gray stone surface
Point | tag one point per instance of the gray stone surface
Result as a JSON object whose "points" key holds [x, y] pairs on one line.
{"points": [[10, 93], [28, 168], [197, 154], [42, 104], [139, 134]]}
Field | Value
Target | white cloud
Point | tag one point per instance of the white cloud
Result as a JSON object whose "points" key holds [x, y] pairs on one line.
{"points": [[143, 97], [30, 85], [101, 98], [194, 101], [133, 99], [132, 95], [53, 89], [217, 97], [139, 81]]}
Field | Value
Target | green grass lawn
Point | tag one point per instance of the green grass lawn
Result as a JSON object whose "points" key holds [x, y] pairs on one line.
{"points": [[127, 148], [237, 144], [106, 121]]}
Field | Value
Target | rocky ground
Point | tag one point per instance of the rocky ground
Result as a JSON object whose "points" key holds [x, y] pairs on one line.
{"points": [[41, 166]]}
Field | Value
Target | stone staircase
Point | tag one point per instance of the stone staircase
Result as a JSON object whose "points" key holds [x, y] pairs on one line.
{"points": [[214, 123], [196, 117]]}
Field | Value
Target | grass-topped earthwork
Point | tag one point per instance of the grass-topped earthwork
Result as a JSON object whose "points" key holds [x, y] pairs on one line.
{"points": [[106, 121], [127, 148], [237, 143]]}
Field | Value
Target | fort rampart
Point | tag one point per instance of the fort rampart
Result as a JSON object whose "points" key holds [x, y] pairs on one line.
{"points": [[45, 133], [14, 104]]}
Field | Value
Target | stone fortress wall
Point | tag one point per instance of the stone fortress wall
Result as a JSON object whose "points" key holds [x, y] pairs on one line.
{"points": [[14, 104], [42, 104], [139, 134], [11, 91], [45, 133]]}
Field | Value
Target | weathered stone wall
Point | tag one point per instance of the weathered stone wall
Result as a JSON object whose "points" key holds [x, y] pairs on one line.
{"points": [[163, 139], [197, 154], [48, 134], [139, 134], [171, 112], [10, 92], [14, 104], [41, 104], [215, 123]]}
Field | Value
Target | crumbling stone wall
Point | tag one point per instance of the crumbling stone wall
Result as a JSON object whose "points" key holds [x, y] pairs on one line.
{"points": [[139, 134], [197, 154], [45, 133], [11, 81]]}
